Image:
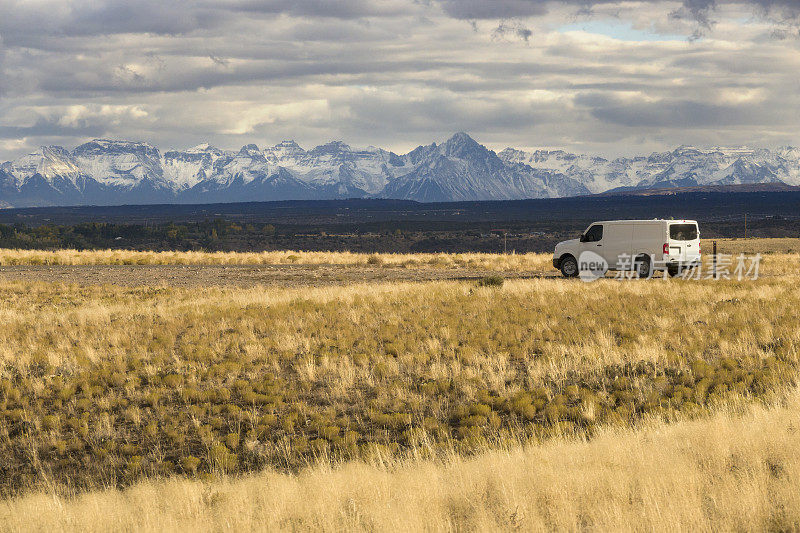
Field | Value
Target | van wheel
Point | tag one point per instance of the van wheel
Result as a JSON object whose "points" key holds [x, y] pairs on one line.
{"points": [[569, 267], [643, 269], [674, 271]]}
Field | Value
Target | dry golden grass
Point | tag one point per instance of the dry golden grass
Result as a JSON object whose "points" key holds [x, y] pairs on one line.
{"points": [[729, 472], [783, 255], [784, 245], [397, 384], [105, 385]]}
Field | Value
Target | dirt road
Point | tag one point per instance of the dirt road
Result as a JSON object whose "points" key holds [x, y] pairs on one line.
{"points": [[240, 276]]}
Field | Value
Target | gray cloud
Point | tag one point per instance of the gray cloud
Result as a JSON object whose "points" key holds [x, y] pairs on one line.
{"points": [[219, 60], [51, 129], [697, 10], [397, 72], [345, 9], [481, 9], [512, 28], [679, 113], [107, 17], [3, 78], [25, 23]]}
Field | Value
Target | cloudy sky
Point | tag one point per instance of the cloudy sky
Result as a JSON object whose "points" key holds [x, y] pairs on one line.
{"points": [[590, 76]]}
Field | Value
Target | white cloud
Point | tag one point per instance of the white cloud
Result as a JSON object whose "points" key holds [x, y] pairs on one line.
{"points": [[246, 118]]}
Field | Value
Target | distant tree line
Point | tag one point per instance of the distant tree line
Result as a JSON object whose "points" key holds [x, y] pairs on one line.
{"points": [[214, 234], [220, 234], [225, 235]]}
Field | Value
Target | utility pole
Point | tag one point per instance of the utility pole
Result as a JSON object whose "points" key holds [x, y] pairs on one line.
{"points": [[714, 260], [505, 238]]}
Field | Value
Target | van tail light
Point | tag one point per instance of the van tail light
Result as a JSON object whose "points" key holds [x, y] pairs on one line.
{"points": [[699, 248], [666, 248]]}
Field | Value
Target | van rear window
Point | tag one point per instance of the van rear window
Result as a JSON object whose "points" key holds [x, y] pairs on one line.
{"points": [[683, 232]]}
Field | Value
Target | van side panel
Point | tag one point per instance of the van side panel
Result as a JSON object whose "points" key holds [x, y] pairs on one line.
{"points": [[617, 245], [649, 238]]}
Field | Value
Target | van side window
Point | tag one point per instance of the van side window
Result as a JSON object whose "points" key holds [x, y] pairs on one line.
{"points": [[594, 234]]}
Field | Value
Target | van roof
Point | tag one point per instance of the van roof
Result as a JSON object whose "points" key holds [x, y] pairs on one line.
{"points": [[641, 221]]}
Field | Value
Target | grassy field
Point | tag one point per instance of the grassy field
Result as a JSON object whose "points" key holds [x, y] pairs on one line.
{"points": [[500, 262], [129, 257], [736, 470], [470, 402], [754, 246]]}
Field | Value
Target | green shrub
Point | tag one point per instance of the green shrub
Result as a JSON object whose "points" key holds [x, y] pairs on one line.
{"points": [[491, 281], [232, 440], [189, 464], [50, 422], [221, 459]]}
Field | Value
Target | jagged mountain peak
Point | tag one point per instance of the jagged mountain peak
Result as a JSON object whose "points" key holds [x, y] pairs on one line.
{"points": [[461, 145], [289, 143], [684, 150], [201, 148], [508, 154], [50, 162], [249, 149], [109, 145], [333, 147], [104, 172], [285, 149], [461, 137], [53, 150]]}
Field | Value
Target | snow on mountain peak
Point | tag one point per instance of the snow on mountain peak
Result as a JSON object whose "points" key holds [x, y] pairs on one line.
{"points": [[285, 152], [122, 164], [202, 147], [116, 146], [288, 145], [49, 162], [106, 171], [249, 149], [332, 147], [462, 145], [461, 139]]}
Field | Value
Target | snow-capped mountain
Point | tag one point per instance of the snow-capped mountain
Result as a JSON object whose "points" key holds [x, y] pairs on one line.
{"points": [[106, 172], [338, 169], [121, 164], [246, 176], [685, 166], [185, 169], [461, 169]]}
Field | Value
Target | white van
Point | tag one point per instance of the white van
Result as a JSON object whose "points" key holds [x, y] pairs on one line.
{"points": [[639, 245]]}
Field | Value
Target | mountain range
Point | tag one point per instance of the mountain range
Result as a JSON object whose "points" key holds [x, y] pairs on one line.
{"points": [[112, 172]]}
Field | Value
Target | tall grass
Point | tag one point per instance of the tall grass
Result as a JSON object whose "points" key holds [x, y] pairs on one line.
{"points": [[781, 257], [531, 404], [110, 384], [731, 471], [286, 257], [777, 245]]}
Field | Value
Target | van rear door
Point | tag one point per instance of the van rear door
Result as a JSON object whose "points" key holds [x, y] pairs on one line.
{"points": [[683, 241]]}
